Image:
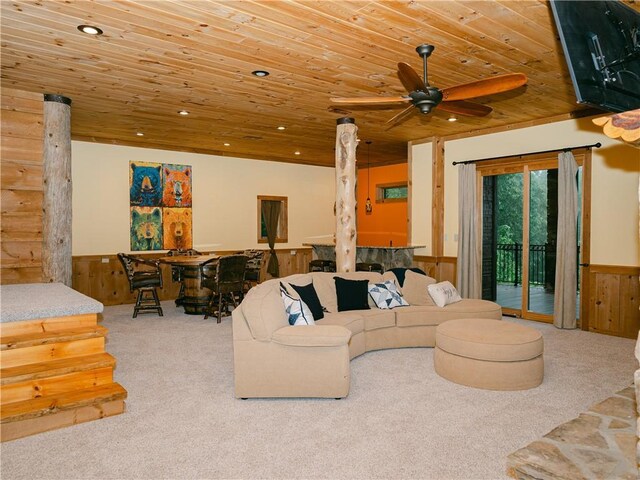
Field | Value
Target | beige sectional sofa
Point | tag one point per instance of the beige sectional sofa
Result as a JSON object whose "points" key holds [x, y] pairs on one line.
{"points": [[274, 359]]}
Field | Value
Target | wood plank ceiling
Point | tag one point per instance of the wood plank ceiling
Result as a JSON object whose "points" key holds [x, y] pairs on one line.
{"points": [[158, 57]]}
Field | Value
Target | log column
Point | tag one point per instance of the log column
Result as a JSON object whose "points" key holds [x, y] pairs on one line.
{"points": [[56, 205], [346, 142]]}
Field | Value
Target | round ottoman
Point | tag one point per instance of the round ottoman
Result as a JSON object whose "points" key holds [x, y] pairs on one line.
{"points": [[489, 354]]}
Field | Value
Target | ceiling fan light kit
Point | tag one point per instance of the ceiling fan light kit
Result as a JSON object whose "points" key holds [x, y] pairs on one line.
{"points": [[425, 97]]}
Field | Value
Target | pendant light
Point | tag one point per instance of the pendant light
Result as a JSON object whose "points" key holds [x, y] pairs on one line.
{"points": [[368, 207]]}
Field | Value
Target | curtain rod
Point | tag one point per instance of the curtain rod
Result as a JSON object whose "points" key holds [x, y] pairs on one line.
{"points": [[597, 145]]}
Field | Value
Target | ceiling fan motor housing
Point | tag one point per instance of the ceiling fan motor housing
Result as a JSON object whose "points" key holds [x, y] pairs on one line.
{"points": [[425, 101]]}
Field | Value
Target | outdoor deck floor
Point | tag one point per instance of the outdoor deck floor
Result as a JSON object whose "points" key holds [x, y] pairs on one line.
{"points": [[540, 301]]}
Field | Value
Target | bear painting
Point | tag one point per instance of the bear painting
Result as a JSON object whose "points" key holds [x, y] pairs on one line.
{"points": [[146, 228], [177, 228], [145, 184], [177, 186]]}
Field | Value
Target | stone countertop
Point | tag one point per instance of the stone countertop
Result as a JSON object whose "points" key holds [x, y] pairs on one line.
{"points": [[30, 301], [381, 247]]}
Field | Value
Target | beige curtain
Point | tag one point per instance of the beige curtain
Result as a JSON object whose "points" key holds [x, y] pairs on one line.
{"points": [[469, 280], [564, 301], [271, 215]]}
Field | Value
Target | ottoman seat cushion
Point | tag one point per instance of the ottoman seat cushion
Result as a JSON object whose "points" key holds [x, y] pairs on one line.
{"points": [[485, 339]]}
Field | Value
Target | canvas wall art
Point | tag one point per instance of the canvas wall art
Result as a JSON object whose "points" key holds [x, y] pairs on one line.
{"points": [[176, 232], [177, 186], [146, 228], [160, 204]]}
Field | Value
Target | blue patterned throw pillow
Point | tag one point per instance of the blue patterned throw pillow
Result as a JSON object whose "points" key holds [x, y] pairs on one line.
{"points": [[386, 295], [297, 311]]}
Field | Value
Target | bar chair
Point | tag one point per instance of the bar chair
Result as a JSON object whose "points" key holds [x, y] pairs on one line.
{"points": [[322, 266], [177, 271], [252, 271], [369, 267], [225, 279], [144, 276]]}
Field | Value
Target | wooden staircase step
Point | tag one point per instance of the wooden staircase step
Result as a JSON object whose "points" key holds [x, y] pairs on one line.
{"points": [[35, 371], [51, 351], [9, 342], [42, 406], [55, 385]]}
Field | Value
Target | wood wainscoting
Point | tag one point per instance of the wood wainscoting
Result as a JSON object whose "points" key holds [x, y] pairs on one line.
{"points": [[440, 268], [101, 276], [614, 300]]}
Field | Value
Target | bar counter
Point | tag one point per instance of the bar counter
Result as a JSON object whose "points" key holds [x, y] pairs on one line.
{"points": [[387, 256]]}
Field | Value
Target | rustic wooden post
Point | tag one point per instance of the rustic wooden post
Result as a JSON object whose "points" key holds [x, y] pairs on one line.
{"points": [[56, 204], [346, 142]]}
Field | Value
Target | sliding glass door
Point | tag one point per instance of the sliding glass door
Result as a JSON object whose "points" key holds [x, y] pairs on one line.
{"points": [[519, 235]]}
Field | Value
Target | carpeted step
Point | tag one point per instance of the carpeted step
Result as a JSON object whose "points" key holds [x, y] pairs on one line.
{"points": [[35, 380], [20, 419], [10, 342]]}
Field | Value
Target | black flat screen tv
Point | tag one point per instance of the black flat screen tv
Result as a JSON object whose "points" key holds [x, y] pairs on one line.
{"points": [[601, 44]]}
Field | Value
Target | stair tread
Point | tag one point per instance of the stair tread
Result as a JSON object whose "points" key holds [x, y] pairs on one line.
{"points": [[11, 342], [41, 406], [52, 368]]}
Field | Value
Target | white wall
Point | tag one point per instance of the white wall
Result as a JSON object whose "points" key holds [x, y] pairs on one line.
{"points": [[224, 198], [614, 194], [421, 191]]}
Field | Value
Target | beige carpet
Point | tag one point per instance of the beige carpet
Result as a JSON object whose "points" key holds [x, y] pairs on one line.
{"points": [[401, 420]]}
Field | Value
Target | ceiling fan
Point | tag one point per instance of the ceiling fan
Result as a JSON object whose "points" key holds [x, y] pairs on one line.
{"points": [[425, 97]]}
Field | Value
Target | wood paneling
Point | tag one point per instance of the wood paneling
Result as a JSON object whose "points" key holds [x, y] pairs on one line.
{"points": [[614, 300], [440, 268], [101, 276], [156, 58], [21, 187]]}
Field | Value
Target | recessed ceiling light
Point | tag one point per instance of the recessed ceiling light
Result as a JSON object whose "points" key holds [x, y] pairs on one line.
{"points": [[281, 127], [140, 134], [90, 29], [227, 144], [452, 119], [297, 152], [183, 112], [260, 73]]}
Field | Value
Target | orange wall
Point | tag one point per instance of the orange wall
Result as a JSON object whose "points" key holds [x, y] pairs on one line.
{"points": [[388, 221]]}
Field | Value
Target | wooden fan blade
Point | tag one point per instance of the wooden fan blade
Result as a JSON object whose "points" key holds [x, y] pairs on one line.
{"points": [[370, 100], [480, 88], [409, 78], [461, 107], [400, 117]]}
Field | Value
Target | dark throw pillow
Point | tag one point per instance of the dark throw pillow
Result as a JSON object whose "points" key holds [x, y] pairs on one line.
{"points": [[399, 272], [309, 296], [352, 294]]}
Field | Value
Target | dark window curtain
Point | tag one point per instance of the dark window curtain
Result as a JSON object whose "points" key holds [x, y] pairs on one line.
{"points": [[271, 215]]}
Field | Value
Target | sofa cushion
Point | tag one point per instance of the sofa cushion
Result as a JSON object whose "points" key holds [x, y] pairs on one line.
{"points": [[351, 294], [443, 293], [433, 315], [326, 287], [297, 311], [352, 320], [400, 273], [309, 296], [415, 290], [263, 310], [386, 296], [377, 318]]}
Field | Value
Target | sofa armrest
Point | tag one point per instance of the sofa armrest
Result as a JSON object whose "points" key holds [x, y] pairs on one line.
{"points": [[312, 336]]}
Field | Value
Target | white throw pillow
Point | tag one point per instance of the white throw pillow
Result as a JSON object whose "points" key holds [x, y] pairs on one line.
{"points": [[443, 293], [297, 311], [386, 295]]}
